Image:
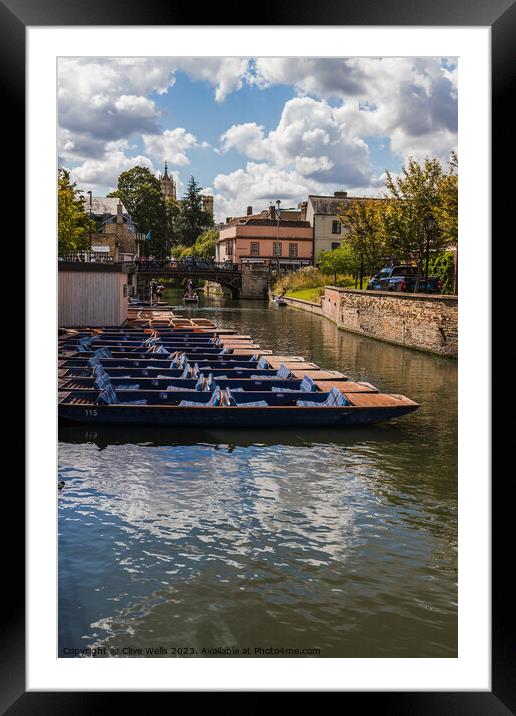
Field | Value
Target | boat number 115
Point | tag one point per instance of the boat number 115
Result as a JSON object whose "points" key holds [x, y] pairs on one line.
{"points": [[90, 411]]}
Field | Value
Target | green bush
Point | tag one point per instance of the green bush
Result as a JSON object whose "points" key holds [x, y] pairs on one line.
{"points": [[443, 265]]}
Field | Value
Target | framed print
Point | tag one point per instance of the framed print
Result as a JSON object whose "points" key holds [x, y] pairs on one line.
{"points": [[255, 234]]}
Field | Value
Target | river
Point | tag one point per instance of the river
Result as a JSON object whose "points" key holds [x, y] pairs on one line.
{"points": [[328, 543]]}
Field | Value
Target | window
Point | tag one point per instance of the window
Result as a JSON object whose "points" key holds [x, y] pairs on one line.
{"points": [[292, 250], [125, 290], [335, 245], [276, 248], [229, 248], [335, 227], [255, 248]]}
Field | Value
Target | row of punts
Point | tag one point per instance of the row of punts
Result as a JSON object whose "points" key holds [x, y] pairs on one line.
{"points": [[189, 373]]}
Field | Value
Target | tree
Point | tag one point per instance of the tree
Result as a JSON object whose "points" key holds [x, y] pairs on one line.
{"points": [[74, 224], [337, 261], [205, 244], [192, 220], [412, 200], [204, 247], [365, 232], [140, 192], [447, 208]]}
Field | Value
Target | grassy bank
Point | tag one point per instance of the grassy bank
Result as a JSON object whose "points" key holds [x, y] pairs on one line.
{"points": [[308, 283]]}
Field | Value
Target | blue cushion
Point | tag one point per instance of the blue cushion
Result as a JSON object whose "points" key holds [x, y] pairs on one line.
{"points": [[216, 397], [262, 363], [334, 399], [259, 377], [128, 386], [308, 385], [133, 402], [283, 372], [108, 396], [102, 381], [103, 353], [186, 371], [180, 389], [200, 382], [287, 390]]}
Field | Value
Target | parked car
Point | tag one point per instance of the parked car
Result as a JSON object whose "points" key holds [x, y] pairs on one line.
{"points": [[403, 278]]}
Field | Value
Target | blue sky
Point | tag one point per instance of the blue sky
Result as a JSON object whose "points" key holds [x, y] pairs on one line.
{"points": [[255, 130]]}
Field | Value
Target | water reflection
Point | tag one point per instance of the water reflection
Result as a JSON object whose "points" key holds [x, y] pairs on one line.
{"points": [[340, 540]]}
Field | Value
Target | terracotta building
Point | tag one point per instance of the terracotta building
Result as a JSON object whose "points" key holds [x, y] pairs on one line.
{"points": [[268, 239]]}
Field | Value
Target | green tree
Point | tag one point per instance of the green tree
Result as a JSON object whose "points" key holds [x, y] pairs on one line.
{"points": [[447, 208], [337, 261], [192, 220], [140, 192], [363, 223], [412, 201], [204, 247], [73, 223]]}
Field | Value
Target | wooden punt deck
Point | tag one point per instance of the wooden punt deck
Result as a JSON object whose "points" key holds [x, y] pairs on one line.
{"points": [[378, 400], [291, 364], [245, 352], [346, 386], [318, 374]]}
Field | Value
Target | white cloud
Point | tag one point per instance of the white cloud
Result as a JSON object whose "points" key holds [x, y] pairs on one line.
{"points": [[312, 138], [226, 74], [412, 101], [256, 185], [171, 145], [104, 172]]}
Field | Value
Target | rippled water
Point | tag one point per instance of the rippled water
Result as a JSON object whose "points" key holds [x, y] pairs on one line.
{"points": [[338, 541]]}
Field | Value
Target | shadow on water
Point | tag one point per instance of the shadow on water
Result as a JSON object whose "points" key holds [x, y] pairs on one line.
{"points": [[104, 436]]}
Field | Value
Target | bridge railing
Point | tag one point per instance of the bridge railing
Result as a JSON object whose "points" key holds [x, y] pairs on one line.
{"points": [[182, 266]]}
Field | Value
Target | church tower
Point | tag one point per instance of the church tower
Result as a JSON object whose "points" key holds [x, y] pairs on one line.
{"points": [[168, 185]]}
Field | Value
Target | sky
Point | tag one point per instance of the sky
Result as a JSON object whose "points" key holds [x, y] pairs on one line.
{"points": [[254, 130]]}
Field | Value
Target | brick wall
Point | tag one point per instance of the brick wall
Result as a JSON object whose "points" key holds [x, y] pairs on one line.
{"points": [[428, 323]]}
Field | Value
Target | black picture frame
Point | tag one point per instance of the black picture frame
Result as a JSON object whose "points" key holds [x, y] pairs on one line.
{"points": [[15, 17]]}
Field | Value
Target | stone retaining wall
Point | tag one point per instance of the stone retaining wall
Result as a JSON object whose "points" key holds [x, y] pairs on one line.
{"points": [[428, 323]]}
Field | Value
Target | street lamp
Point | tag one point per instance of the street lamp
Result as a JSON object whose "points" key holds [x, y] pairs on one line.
{"points": [[430, 223], [278, 202], [89, 192]]}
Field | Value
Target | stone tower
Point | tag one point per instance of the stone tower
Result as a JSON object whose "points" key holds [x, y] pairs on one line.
{"points": [[168, 185], [207, 203]]}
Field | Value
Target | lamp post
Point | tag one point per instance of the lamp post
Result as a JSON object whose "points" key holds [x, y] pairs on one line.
{"points": [[90, 194], [278, 202], [430, 223]]}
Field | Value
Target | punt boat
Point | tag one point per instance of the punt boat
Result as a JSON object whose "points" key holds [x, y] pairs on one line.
{"points": [[230, 408]]}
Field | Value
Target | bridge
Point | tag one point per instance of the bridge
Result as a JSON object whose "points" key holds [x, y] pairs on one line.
{"points": [[243, 280]]}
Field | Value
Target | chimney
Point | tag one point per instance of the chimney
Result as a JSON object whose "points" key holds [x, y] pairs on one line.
{"points": [[303, 206], [119, 219], [249, 210], [272, 209], [340, 194]]}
